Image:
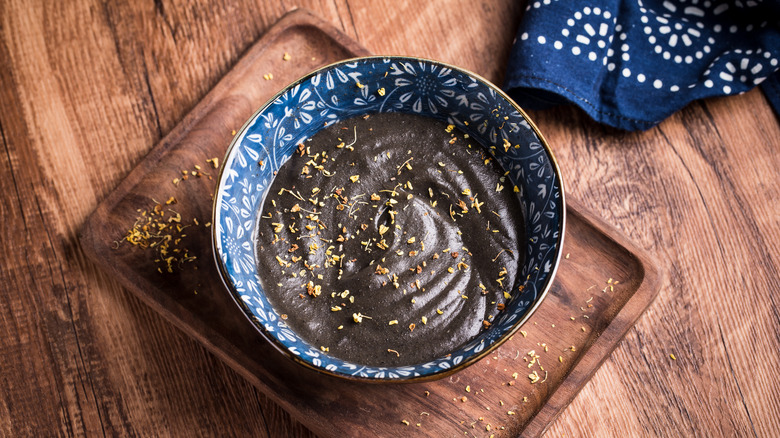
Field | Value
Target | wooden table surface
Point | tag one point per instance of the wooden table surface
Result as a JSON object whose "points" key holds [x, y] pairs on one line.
{"points": [[87, 88]]}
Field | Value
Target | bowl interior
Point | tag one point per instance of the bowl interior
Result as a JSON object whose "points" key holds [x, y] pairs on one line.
{"points": [[366, 86]]}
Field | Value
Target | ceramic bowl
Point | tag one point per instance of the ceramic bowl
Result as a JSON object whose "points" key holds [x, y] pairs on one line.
{"points": [[424, 87]]}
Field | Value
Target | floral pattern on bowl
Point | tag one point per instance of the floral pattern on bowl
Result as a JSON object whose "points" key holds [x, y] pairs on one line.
{"points": [[373, 85]]}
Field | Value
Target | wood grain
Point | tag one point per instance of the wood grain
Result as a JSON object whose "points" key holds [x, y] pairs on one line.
{"points": [[194, 298], [87, 88]]}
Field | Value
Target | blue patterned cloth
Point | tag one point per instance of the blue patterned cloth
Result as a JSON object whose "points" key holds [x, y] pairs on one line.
{"points": [[630, 64]]}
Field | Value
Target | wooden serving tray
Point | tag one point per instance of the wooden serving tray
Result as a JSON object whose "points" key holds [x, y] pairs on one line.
{"points": [[577, 326]]}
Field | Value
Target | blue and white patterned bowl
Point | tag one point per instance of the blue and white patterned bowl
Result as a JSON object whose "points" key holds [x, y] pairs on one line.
{"points": [[412, 85]]}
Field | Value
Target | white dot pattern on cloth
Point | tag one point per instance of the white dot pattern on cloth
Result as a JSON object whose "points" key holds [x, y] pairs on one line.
{"points": [[670, 32], [661, 46]]}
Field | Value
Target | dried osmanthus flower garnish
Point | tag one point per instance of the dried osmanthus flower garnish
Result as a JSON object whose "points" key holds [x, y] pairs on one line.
{"points": [[162, 229]]}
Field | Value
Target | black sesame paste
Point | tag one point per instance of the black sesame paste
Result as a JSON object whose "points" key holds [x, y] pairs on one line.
{"points": [[390, 240]]}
